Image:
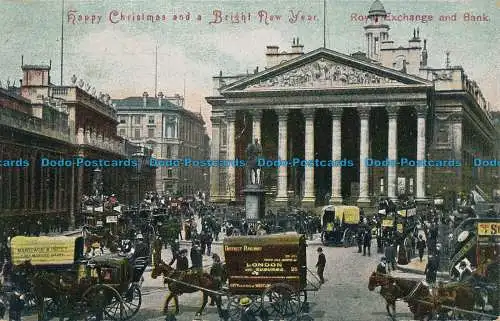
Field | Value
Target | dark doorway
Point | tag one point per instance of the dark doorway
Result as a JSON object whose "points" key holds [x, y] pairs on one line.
{"points": [[350, 151]]}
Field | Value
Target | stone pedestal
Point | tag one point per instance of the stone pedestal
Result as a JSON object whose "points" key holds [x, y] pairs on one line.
{"points": [[254, 201]]}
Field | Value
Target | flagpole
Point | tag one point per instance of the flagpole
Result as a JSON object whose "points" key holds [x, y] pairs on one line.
{"points": [[324, 23], [62, 40], [156, 70]]}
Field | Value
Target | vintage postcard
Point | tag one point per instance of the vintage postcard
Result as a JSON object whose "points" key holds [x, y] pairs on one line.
{"points": [[138, 134]]}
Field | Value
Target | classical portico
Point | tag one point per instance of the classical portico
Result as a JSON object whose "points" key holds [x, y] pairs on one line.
{"points": [[296, 99]]}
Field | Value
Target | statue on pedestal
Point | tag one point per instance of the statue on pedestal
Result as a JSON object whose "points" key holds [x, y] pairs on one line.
{"points": [[253, 151]]}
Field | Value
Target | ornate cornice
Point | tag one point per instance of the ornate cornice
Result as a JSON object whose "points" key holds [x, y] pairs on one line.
{"points": [[455, 118], [392, 111]]}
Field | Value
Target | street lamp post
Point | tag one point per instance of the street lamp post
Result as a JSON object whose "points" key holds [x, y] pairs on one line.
{"points": [[96, 184]]}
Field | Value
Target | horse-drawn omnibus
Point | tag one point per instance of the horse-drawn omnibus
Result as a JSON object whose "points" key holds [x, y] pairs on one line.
{"points": [[67, 285], [339, 225]]}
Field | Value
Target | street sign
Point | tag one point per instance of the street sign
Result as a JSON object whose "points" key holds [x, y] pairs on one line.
{"points": [[112, 219], [488, 229], [98, 223]]}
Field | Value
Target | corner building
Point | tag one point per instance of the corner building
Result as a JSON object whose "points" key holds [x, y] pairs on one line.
{"points": [[172, 132], [385, 103]]}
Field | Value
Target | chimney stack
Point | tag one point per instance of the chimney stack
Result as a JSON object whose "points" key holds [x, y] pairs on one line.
{"points": [[145, 98], [160, 96], [297, 48]]}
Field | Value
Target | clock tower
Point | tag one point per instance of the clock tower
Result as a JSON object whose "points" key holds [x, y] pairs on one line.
{"points": [[376, 30]]}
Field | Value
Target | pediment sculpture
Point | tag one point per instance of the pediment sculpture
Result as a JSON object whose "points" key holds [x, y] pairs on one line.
{"points": [[323, 73]]}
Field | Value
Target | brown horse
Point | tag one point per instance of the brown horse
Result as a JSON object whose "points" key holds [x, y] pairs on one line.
{"points": [[413, 292], [203, 282], [422, 303]]}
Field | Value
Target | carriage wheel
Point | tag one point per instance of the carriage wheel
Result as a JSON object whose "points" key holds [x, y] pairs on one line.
{"points": [[235, 309], [323, 239], [283, 300], [132, 301], [348, 238], [104, 303]]}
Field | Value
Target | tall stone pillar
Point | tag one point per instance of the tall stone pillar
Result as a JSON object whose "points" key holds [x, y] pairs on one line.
{"points": [[309, 197], [256, 119], [336, 197], [421, 116], [392, 151], [282, 196], [364, 147], [456, 126], [230, 155], [215, 155]]}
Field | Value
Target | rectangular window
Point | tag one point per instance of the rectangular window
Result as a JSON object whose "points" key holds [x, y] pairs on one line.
{"points": [[151, 132], [151, 119], [123, 120], [137, 119], [122, 132], [169, 173], [137, 133]]}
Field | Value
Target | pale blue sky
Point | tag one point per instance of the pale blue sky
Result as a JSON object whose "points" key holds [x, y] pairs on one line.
{"points": [[119, 58]]}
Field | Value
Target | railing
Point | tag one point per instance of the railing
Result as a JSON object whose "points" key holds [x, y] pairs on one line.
{"points": [[25, 122], [115, 146], [76, 94]]}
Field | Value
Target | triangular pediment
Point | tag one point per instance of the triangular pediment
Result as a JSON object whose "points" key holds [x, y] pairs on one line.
{"points": [[324, 69]]}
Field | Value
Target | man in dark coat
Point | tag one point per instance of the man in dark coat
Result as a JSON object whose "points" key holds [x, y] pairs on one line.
{"points": [[321, 265], [359, 240], [197, 257], [421, 247], [182, 260], [431, 270], [216, 271], [390, 254], [367, 241]]}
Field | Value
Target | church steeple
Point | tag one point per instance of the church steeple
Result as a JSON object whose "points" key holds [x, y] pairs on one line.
{"points": [[376, 29]]}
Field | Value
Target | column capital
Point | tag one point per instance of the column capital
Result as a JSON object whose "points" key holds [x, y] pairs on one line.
{"points": [[282, 113], [256, 113], [364, 112], [308, 113], [336, 112], [392, 111], [230, 115], [421, 110]]}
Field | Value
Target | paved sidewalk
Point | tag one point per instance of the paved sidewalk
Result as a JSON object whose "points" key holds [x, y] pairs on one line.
{"points": [[417, 267]]}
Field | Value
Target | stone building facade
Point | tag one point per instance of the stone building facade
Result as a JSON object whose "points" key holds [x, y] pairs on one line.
{"points": [[42, 121], [423, 125], [173, 133]]}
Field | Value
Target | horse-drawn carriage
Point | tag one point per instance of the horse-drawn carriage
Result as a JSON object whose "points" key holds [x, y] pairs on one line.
{"points": [[340, 224], [67, 285], [267, 276]]}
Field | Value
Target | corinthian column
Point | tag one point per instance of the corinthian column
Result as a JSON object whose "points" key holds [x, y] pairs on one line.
{"points": [[309, 197], [364, 137], [392, 150], [336, 197], [282, 196], [256, 117], [422, 113], [215, 155], [230, 155]]}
